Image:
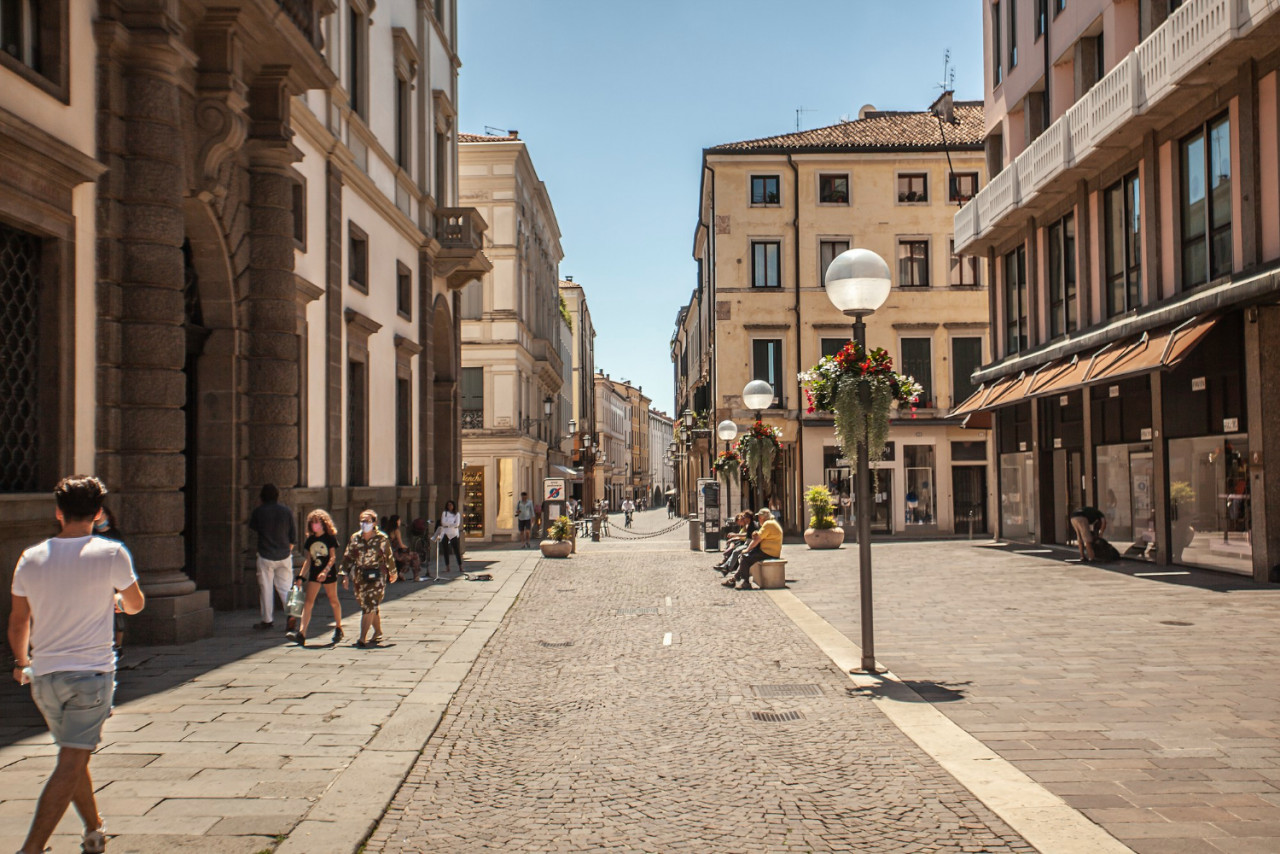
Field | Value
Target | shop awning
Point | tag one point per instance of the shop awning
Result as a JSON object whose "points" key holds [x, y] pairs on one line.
{"points": [[1160, 351], [566, 473]]}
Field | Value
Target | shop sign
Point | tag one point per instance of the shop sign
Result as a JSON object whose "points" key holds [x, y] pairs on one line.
{"points": [[1114, 391], [1231, 425], [1145, 435], [1062, 401], [1197, 383], [1057, 441], [1022, 446]]}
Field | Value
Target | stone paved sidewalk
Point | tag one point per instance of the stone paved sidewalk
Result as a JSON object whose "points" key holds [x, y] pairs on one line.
{"points": [[1149, 703], [629, 703], [227, 744]]}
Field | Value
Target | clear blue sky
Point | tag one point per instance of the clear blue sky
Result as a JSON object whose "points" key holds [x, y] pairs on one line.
{"points": [[616, 101]]}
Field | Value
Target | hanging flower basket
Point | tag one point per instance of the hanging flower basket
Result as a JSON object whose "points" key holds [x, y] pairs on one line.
{"points": [[758, 449], [833, 386], [728, 466]]}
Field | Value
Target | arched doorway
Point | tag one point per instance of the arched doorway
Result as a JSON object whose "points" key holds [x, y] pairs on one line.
{"points": [[444, 390]]}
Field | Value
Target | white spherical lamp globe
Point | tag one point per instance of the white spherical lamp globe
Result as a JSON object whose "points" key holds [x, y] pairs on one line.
{"points": [[727, 430], [858, 282], [757, 395]]}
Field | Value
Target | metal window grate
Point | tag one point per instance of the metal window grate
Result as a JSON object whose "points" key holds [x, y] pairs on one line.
{"points": [[556, 644], [19, 360], [765, 691], [777, 717]]}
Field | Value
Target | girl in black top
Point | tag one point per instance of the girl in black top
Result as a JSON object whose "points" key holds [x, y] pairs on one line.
{"points": [[322, 551]]}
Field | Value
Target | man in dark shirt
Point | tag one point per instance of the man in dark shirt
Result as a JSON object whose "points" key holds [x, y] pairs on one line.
{"points": [[277, 534], [1089, 523]]}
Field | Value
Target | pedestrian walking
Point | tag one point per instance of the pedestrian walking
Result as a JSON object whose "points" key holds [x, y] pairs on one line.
{"points": [[408, 563], [277, 535], [60, 631], [320, 572], [628, 510], [524, 517], [448, 534], [369, 561]]}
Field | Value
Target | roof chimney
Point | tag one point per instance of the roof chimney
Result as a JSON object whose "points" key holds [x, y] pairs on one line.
{"points": [[944, 107], [568, 278], [513, 134], [865, 109]]}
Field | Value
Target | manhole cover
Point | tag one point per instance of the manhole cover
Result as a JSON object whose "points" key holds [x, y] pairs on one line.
{"points": [[1175, 623], [776, 717], [635, 612], [765, 691], [556, 644]]}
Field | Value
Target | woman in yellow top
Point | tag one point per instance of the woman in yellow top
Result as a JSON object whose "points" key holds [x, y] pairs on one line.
{"points": [[765, 543]]}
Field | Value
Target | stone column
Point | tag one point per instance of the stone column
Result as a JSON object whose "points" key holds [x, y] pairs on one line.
{"points": [[142, 426], [1262, 376]]}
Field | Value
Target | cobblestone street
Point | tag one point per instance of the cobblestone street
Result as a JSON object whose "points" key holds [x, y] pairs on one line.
{"points": [[625, 705]]}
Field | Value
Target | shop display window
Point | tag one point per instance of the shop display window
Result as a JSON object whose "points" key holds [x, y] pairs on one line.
{"points": [[1209, 503], [918, 463], [1017, 496]]}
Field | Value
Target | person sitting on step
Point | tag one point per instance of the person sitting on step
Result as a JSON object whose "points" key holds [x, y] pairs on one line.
{"points": [[764, 544]]}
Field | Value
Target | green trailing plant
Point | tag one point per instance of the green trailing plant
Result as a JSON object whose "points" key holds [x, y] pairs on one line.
{"points": [[821, 509], [728, 465], [758, 448], [564, 313], [561, 529], [836, 385]]}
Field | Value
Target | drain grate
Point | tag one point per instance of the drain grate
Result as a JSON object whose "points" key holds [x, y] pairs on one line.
{"points": [[776, 717], [556, 644], [767, 691], [636, 612], [1175, 623]]}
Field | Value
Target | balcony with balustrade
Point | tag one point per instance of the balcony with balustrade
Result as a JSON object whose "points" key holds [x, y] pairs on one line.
{"points": [[1197, 49], [460, 233]]}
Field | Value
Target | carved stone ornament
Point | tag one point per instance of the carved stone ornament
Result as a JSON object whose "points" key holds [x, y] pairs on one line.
{"points": [[223, 131]]}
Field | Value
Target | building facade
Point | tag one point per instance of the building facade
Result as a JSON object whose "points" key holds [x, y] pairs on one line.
{"points": [[582, 390], [661, 469], [1133, 229], [612, 442], [244, 260], [772, 214], [513, 414]]}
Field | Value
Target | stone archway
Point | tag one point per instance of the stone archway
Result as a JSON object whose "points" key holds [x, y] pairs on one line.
{"points": [[213, 541], [445, 425]]}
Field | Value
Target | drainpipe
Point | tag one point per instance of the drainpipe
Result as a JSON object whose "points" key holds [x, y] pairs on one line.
{"points": [[795, 246]]}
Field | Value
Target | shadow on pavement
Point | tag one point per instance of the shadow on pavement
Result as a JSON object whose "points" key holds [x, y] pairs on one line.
{"points": [[925, 691]]}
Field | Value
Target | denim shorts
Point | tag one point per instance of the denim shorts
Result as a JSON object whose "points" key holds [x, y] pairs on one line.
{"points": [[75, 704]]}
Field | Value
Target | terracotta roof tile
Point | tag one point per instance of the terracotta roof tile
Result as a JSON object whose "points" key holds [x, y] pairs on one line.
{"points": [[483, 137], [879, 130]]}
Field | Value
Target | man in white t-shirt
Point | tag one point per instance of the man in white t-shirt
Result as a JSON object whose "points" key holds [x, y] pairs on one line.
{"points": [[524, 517], [60, 630]]}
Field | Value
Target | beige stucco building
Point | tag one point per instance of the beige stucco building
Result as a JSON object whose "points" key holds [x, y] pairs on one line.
{"points": [[515, 414], [581, 389], [772, 214], [239, 227]]}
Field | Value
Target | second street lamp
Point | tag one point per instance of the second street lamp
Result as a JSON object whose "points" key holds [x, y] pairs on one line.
{"points": [[858, 283]]}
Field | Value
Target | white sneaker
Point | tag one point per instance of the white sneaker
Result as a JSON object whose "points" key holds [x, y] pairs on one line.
{"points": [[95, 841]]}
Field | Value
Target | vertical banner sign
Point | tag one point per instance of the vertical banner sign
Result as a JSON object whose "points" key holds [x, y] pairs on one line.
{"points": [[553, 501], [709, 510]]}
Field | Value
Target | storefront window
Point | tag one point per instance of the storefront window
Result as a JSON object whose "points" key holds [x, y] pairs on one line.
{"points": [[1017, 496], [917, 461], [1209, 512], [473, 501]]}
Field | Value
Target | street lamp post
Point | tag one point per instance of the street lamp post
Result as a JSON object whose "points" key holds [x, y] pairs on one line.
{"points": [[727, 431], [757, 395], [858, 283]]}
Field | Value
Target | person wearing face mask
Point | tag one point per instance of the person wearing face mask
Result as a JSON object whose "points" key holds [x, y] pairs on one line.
{"points": [[370, 562], [320, 571]]}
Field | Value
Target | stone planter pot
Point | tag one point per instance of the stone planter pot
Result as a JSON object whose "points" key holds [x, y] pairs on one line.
{"points": [[824, 538], [555, 548]]}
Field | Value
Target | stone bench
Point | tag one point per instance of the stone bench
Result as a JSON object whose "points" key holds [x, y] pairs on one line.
{"points": [[770, 574]]}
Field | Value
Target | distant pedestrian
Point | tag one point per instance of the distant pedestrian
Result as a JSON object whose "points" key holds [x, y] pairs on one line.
{"points": [[408, 562], [628, 510], [524, 517], [368, 560], [277, 535], [448, 534], [1089, 523], [320, 549], [60, 631]]}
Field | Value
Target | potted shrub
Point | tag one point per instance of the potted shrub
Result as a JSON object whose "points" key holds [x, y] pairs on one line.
{"points": [[559, 542], [822, 533]]}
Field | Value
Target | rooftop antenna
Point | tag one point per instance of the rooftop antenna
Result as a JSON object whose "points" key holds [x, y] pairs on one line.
{"points": [[799, 111], [948, 73], [490, 130]]}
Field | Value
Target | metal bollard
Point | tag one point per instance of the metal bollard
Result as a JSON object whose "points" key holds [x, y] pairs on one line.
{"points": [[694, 530], [595, 528]]}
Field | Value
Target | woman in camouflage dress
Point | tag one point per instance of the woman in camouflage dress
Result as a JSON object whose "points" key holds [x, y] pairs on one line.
{"points": [[369, 561]]}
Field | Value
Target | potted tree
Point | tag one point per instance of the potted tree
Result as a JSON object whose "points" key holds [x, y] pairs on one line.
{"points": [[559, 541], [822, 533]]}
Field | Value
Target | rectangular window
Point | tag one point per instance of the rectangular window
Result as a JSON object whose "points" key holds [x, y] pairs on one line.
{"points": [[831, 346], [1042, 17], [913, 187], [764, 190], [357, 39], [1058, 6], [766, 364], [300, 215], [404, 112], [404, 291], [1123, 245], [472, 394], [357, 424], [827, 252], [917, 362], [473, 301], [962, 187], [1015, 300], [1062, 277], [966, 357], [357, 257], [1206, 204], [25, 425], [964, 270], [404, 429], [833, 189], [33, 35], [913, 263], [997, 70], [1013, 34], [442, 167], [764, 264]]}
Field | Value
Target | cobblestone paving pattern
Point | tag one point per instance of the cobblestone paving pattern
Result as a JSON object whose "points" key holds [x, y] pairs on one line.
{"points": [[618, 742]]}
